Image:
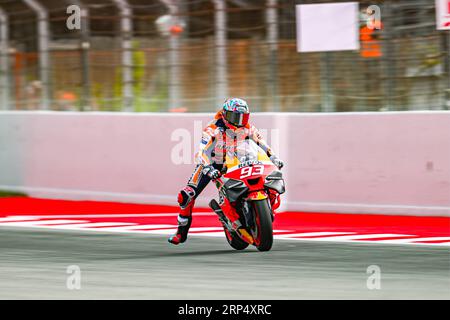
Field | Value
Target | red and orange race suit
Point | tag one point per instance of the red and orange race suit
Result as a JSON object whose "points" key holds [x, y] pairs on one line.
{"points": [[218, 139]]}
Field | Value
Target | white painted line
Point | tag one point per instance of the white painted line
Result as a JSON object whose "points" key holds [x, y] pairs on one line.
{"points": [[110, 215], [205, 229], [361, 208], [211, 234], [118, 227], [431, 239], [41, 222], [362, 236], [17, 218], [374, 242], [74, 227], [141, 226], [92, 225], [412, 240], [162, 231], [311, 234]]}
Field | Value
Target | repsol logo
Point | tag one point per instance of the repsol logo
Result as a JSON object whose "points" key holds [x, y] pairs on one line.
{"points": [[249, 163]]}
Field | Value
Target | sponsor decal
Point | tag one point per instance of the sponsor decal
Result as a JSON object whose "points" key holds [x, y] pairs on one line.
{"points": [[249, 163]]}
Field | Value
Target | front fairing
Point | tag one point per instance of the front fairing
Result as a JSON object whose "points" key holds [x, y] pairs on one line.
{"points": [[246, 172]]}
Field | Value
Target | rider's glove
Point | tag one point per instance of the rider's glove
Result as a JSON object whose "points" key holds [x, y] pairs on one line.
{"points": [[211, 172], [279, 163]]}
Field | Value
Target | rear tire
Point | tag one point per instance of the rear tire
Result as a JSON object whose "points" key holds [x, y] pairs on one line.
{"points": [[263, 221], [235, 242]]}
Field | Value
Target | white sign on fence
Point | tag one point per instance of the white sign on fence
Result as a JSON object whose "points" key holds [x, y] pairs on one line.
{"points": [[443, 14], [327, 27]]}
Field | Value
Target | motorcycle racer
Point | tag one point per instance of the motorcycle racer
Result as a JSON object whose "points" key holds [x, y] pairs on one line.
{"points": [[218, 139]]}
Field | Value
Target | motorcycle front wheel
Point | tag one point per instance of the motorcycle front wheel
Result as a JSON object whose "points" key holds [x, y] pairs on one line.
{"points": [[235, 241], [263, 225]]}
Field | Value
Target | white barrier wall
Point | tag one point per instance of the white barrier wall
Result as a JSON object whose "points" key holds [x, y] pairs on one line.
{"points": [[394, 163]]}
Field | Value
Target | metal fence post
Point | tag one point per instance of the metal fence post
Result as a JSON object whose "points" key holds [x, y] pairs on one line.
{"points": [[221, 50], [272, 41], [85, 98], [4, 62], [43, 48], [126, 26], [174, 56], [85, 46], [389, 59], [447, 69], [326, 83]]}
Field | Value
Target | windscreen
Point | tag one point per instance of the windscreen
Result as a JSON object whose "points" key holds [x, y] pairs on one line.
{"points": [[247, 151]]}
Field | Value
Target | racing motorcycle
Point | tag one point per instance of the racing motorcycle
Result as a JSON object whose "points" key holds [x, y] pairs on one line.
{"points": [[249, 191]]}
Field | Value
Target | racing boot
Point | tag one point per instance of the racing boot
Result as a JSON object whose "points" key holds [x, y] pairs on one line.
{"points": [[186, 200], [184, 223]]}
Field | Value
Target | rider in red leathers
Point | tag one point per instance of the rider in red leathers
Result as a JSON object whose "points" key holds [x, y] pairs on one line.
{"points": [[218, 138]]}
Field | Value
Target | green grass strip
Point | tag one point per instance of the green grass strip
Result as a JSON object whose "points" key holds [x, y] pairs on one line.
{"points": [[6, 194]]}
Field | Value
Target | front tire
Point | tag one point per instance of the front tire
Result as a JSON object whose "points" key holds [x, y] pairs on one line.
{"points": [[235, 241], [263, 223]]}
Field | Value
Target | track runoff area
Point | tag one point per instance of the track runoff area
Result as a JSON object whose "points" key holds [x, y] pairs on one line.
{"points": [[161, 220], [121, 252]]}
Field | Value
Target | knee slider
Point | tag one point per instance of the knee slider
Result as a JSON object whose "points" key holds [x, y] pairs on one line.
{"points": [[186, 196]]}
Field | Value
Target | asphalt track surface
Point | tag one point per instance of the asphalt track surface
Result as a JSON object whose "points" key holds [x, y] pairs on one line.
{"points": [[33, 265]]}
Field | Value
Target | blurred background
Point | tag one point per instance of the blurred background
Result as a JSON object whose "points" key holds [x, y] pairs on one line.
{"points": [[187, 56], [103, 102]]}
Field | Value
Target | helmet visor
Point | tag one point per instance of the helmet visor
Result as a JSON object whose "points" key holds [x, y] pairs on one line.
{"points": [[237, 119]]}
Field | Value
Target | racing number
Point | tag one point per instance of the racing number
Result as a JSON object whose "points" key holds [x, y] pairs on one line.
{"points": [[249, 171]]}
